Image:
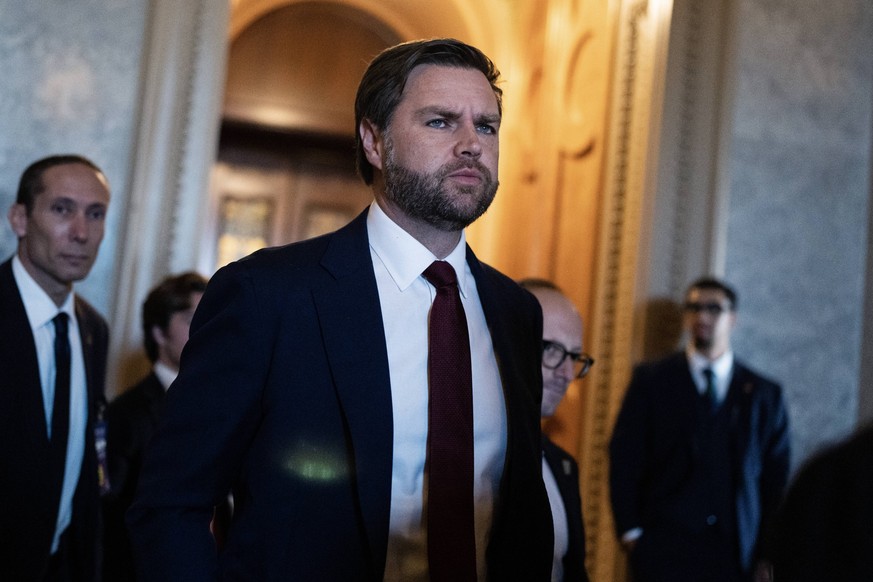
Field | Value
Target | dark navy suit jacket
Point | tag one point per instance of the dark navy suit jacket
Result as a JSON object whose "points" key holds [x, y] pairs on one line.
{"points": [[653, 448], [284, 395], [131, 420], [566, 472], [29, 493]]}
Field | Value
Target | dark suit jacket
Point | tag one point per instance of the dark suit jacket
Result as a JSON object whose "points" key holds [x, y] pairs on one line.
{"points": [[824, 529], [29, 509], [653, 450], [131, 419], [284, 395], [566, 472]]}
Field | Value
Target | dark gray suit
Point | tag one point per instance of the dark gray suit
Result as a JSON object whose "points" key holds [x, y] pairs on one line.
{"points": [[29, 489]]}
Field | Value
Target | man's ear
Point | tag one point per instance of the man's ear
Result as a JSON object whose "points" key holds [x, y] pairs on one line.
{"points": [[373, 143], [18, 219], [158, 335]]}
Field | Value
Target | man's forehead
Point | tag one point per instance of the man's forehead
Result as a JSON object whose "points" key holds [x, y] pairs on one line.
{"points": [[706, 294], [431, 72], [75, 180]]}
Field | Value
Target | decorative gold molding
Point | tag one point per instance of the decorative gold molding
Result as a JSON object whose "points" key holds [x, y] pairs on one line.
{"points": [[642, 35]]}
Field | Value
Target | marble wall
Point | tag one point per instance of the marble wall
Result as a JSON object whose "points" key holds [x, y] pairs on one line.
{"points": [[70, 73], [799, 203]]}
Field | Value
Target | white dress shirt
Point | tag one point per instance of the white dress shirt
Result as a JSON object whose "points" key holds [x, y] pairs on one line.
{"points": [[722, 369], [406, 297], [165, 374], [41, 310], [559, 522]]}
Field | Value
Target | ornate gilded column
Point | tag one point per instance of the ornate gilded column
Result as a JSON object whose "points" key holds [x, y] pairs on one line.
{"points": [[642, 35]]}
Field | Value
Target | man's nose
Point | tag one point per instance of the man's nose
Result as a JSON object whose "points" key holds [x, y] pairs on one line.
{"points": [[469, 144], [79, 227]]}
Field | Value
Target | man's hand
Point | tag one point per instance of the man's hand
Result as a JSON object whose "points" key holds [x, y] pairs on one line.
{"points": [[764, 571], [629, 545]]}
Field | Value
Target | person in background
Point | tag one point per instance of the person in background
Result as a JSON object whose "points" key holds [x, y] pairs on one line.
{"points": [[53, 347], [133, 416], [824, 528], [372, 396], [563, 362], [699, 455]]}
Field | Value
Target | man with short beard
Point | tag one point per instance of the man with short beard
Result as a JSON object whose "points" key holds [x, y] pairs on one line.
{"points": [[699, 454], [370, 396]]}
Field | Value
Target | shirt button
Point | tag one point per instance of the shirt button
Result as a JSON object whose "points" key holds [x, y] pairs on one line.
{"points": [[711, 520]]}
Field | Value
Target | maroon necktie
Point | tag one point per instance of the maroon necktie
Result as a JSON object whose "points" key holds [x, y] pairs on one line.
{"points": [[451, 542]]}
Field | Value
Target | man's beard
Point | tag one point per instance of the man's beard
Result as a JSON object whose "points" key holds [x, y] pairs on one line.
{"points": [[428, 198], [702, 342]]}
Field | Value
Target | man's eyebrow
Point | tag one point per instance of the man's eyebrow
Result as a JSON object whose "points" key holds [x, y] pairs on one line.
{"points": [[438, 111], [488, 118]]}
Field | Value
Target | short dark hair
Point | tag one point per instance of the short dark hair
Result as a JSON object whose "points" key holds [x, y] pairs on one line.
{"points": [[382, 85], [31, 183], [171, 295], [714, 284]]}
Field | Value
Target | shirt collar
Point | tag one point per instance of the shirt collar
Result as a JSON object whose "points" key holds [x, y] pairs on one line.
{"points": [[721, 366], [38, 305], [404, 257], [165, 374]]}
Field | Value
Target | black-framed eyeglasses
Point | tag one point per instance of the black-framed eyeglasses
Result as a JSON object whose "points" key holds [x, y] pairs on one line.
{"points": [[554, 355], [714, 309]]}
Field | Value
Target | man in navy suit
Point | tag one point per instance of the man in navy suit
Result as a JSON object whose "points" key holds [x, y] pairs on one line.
{"points": [[563, 362], [304, 386], [132, 417], [50, 484], [699, 455]]}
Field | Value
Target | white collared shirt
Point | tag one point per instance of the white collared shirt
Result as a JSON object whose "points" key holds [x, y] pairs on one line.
{"points": [[165, 374], [41, 310], [406, 297], [722, 367], [559, 522]]}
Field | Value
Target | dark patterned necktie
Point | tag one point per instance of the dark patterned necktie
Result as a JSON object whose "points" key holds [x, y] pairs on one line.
{"points": [[711, 395], [61, 406], [451, 542]]}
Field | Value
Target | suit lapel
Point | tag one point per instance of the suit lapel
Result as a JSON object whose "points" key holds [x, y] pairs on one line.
{"points": [[688, 395], [18, 354], [739, 399], [501, 335], [351, 322], [156, 395], [87, 338]]}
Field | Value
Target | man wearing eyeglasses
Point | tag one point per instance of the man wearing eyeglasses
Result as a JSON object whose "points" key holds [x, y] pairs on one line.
{"points": [[699, 454], [563, 362]]}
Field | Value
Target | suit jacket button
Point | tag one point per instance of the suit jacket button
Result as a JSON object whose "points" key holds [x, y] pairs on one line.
{"points": [[711, 520]]}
